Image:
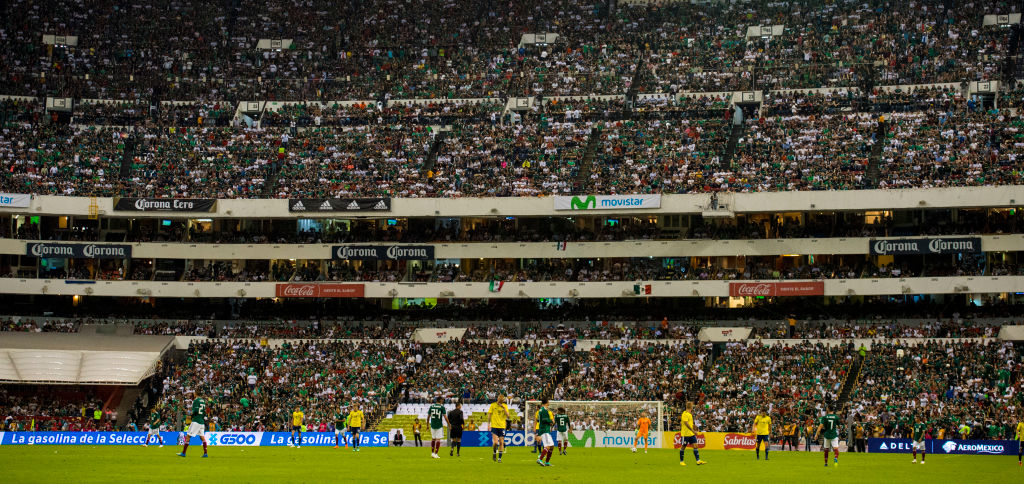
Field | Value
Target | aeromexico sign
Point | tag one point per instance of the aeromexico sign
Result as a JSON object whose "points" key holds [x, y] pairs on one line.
{"points": [[339, 204], [608, 202], [165, 204], [383, 252], [926, 245], [78, 251]]}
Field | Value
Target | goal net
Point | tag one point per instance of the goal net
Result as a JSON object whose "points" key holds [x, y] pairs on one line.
{"points": [[602, 424]]}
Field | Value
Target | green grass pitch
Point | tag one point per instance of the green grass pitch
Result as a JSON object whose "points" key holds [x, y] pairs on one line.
{"points": [[81, 464]]}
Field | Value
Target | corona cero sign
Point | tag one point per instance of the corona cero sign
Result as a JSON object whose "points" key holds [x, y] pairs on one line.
{"points": [[765, 289], [319, 290]]}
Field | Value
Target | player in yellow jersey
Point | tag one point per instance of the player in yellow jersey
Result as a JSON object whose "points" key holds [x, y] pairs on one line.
{"points": [[497, 416], [297, 416], [643, 429], [763, 429], [355, 423], [1020, 441], [688, 430]]}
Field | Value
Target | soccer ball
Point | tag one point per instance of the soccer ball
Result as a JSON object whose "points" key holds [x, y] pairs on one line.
{"points": [[634, 450]]}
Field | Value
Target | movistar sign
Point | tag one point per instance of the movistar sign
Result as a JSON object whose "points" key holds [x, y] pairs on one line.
{"points": [[607, 202]]}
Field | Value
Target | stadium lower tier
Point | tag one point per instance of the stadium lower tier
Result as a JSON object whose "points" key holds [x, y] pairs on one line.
{"points": [[967, 386]]}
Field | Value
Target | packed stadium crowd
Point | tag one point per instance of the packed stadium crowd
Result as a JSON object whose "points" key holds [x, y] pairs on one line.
{"points": [[251, 386], [156, 91], [451, 53], [255, 386], [477, 372], [802, 140], [953, 383]]}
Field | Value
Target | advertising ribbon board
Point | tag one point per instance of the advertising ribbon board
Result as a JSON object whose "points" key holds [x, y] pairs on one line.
{"points": [[165, 204], [607, 202]]}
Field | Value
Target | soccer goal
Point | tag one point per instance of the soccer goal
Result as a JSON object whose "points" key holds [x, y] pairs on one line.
{"points": [[602, 423]]}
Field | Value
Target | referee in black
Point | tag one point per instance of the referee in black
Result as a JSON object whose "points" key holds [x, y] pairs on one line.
{"points": [[455, 424]]}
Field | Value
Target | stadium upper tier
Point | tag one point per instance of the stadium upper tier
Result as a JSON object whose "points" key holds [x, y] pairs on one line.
{"points": [[422, 48]]}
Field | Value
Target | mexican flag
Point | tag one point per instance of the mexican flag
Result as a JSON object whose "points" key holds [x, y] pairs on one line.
{"points": [[496, 286]]}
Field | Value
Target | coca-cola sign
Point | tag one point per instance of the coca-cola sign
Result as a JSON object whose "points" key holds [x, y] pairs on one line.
{"points": [[766, 289], [739, 441], [314, 289]]}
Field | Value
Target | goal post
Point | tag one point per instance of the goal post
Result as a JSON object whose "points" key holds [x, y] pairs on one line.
{"points": [[602, 423]]}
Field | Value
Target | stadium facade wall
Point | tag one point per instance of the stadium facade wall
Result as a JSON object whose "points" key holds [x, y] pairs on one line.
{"points": [[511, 290], [849, 200], [530, 250]]}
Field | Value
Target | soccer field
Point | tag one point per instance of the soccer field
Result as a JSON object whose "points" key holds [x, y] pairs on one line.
{"points": [[236, 464]]}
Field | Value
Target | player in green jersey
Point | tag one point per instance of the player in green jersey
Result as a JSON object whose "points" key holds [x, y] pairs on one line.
{"points": [[340, 423], [198, 425], [920, 428], [435, 418], [563, 426], [155, 421], [544, 422], [829, 423]]}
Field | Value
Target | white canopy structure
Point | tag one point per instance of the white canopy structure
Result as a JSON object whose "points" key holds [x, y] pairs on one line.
{"points": [[76, 358]]}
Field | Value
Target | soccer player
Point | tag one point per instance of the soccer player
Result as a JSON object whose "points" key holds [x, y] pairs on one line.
{"points": [[643, 428], [563, 425], [544, 421], [763, 428], [154, 427], [297, 416], [497, 415], [340, 423], [536, 439], [830, 424], [688, 430], [198, 425], [1020, 442], [435, 418], [455, 421], [920, 428], [355, 422]]}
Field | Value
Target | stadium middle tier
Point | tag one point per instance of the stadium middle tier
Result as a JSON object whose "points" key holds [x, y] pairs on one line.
{"points": [[382, 155]]}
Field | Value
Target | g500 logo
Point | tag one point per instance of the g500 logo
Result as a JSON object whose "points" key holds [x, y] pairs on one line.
{"points": [[232, 439]]}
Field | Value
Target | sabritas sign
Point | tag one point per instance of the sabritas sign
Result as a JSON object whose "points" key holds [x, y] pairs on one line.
{"points": [[677, 441], [754, 289], [319, 290], [607, 202], [738, 441], [712, 441]]}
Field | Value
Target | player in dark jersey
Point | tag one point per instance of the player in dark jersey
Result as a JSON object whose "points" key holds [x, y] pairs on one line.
{"points": [[456, 421]]}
